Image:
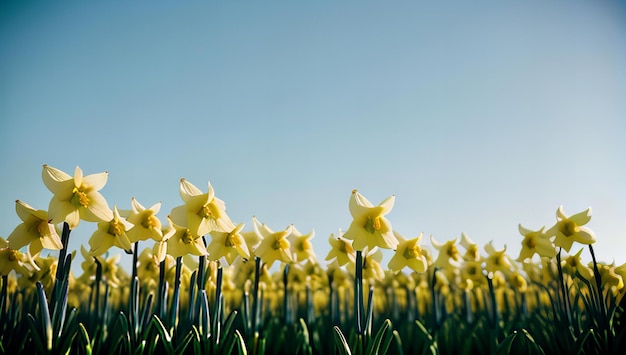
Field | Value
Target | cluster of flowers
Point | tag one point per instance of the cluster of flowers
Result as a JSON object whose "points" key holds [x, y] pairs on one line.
{"points": [[200, 227]]}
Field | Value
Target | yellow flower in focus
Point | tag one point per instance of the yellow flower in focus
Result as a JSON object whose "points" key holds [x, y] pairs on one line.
{"points": [[202, 212], [535, 242], [448, 253], [35, 231], [77, 197], [145, 223], [497, 260], [408, 254], [301, 245], [369, 227], [11, 259], [340, 250], [274, 246], [181, 241], [111, 233], [228, 245], [570, 229]]}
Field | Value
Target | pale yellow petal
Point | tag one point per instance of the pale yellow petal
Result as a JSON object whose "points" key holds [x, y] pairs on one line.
{"points": [[52, 178], [387, 204], [23, 210], [188, 190], [20, 237], [78, 176], [96, 181], [178, 215], [582, 218], [98, 209]]}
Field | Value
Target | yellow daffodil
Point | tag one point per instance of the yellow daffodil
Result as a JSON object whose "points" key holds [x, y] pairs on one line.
{"points": [[35, 231], [408, 254], [472, 270], [448, 254], [497, 260], [573, 264], [181, 241], [372, 270], [202, 212], [369, 227], [535, 242], [610, 278], [148, 268], [274, 246], [570, 229], [77, 197], [145, 222], [340, 250], [228, 245], [10, 259], [111, 233], [301, 245], [472, 251], [518, 282]]}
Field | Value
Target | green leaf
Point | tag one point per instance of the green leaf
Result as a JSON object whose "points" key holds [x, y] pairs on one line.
{"points": [[341, 342], [44, 313], [162, 331], [374, 346], [84, 336], [241, 344]]}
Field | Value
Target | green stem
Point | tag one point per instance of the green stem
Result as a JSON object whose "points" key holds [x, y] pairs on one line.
{"points": [[598, 279], [255, 295], [176, 296], [358, 293], [563, 288]]}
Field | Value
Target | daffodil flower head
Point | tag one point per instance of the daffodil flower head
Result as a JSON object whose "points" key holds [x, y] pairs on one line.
{"points": [[11, 259], [472, 270], [77, 197], [228, 245], [497, 260], [568, 230], [518, 282], [369, 227], [302, 249], [448, 255], [146, 225], [372, 270], [182, 241], [341, 250], [109, 234], [408, 254], [202, 212], [573, 264], [36, 231], [535, 242], [274, 245], [610, 279], [472, 251]]}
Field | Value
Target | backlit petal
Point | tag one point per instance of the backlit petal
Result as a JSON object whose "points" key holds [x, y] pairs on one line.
{"points": [[96, 181]]}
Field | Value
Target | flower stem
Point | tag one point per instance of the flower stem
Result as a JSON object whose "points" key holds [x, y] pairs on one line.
{"points": [[358, 293], [563, 289]]}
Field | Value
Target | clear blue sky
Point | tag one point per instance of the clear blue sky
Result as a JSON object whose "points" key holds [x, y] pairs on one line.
{"points": [[477, 115]]}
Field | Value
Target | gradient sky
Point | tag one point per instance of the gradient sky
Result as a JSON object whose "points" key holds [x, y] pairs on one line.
{"points": [[477, 115]]}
